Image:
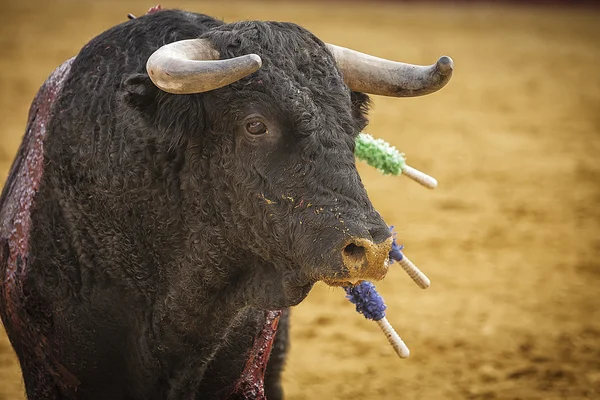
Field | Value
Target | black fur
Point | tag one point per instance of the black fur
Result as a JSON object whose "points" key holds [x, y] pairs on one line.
{"points": [[162, 229]]}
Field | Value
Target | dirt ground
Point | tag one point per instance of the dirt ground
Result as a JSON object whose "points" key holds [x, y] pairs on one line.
{"points": [[510, 239]]}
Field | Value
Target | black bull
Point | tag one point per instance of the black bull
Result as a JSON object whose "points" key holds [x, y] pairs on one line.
{"points": [[149, 241]]}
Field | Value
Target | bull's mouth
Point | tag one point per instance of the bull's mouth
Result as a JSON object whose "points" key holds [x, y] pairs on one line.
{"points": [[362, 260]]}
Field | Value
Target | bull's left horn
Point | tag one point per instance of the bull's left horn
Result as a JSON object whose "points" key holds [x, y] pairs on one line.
{"points": [[193, 66], [374, 75]]}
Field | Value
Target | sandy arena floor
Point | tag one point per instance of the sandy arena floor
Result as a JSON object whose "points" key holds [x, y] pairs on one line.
{"points": [[510, 239]]}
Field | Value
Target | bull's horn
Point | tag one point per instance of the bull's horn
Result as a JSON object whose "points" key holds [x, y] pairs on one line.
{"points": [[193, 66], [369, 74]]}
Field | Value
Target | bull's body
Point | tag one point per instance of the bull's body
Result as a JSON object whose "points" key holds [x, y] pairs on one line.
{"points": [[151, 238]]}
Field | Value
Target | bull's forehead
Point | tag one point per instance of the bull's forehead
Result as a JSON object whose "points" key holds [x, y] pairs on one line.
{"points": [[298, 71], [282, 44]]}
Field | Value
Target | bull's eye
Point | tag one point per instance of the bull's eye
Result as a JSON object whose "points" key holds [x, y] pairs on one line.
{"points": [[256, 128]]}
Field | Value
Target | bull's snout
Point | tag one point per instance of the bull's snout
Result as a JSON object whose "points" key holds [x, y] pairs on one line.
{"points": [[364, 260]]}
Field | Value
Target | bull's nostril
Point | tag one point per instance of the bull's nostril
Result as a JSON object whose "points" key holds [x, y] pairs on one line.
{"points": [[364, 259], [354, 252]]}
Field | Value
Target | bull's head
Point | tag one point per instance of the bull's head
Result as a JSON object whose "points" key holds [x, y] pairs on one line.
{"points": [[281, 111]]}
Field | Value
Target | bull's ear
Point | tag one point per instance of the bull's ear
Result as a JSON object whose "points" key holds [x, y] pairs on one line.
{"points": [[360, 109], [174, 114], [139, 92]]}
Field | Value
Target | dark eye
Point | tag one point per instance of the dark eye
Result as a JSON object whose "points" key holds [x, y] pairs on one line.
{"points": [[256, 128]]}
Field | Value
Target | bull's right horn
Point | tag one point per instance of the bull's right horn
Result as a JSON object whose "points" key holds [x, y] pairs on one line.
{"points": [[193, 66], [365, 73]]}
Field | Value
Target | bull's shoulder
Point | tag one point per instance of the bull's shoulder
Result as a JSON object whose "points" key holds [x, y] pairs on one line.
{"points": [[94, 108], [20, 190], [126, 46]]}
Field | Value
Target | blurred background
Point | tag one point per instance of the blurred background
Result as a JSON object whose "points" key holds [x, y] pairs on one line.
{"points": [[511, 237]]}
